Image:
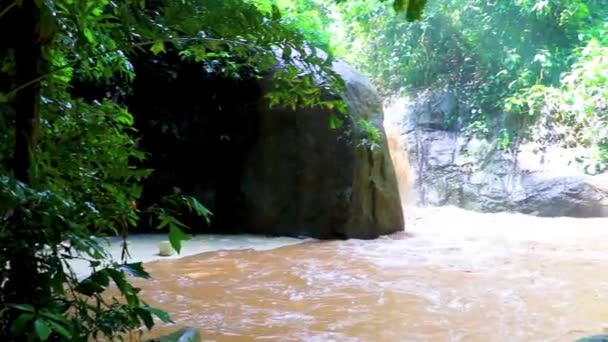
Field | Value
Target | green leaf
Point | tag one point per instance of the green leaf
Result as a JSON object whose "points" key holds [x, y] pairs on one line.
{"points": [[176, 236], [199, 208], [287, 52], [125, 287], [61, 330], [400, 5], [42, 329], [57, 282], [88, 246], [161, 314], [157, 48], [334, 122], [145, 316], [24, 307], [415, 9], [124, 118], [582, 11], [88, 34], [120, 280], [276, 13], [169, 220], [135, 270], [21, 322], [95, 283], [52, 316]]}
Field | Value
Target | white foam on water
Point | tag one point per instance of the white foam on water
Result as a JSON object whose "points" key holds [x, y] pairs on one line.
{"points": [[145, 247]]}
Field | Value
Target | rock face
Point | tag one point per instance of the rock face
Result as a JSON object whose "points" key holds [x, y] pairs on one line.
{"points": [[451, 169], [304, 178], [260, 170]]}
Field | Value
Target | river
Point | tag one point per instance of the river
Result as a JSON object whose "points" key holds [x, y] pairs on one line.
{"points": [[453, 275]]}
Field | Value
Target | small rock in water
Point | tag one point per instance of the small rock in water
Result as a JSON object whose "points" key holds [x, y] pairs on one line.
{"points": [[165, 249], [183, 335]]}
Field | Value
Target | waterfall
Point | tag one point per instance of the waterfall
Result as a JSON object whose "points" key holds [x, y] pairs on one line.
{"points": [[398, 152]]}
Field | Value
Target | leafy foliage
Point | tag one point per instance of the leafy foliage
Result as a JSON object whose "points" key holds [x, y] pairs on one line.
{"points": [[309, 18], [576, 111], [519, 68], [505, 60], [58, 233], [372, 135]]}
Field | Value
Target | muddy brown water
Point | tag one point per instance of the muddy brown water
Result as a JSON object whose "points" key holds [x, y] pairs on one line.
{"points": [[454, 276]]}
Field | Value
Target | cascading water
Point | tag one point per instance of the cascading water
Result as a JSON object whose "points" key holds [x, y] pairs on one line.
{"points": [[398, 152]]}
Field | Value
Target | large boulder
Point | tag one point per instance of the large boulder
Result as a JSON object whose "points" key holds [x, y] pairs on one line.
{"points": [[304, 178], [263, 170], [449, 168]]}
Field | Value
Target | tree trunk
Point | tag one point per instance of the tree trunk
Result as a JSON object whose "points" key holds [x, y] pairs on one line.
{"points": [[24, 281], [27, 59]]}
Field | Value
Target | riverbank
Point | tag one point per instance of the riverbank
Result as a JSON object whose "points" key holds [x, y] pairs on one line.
{"points": [[145, 247]]}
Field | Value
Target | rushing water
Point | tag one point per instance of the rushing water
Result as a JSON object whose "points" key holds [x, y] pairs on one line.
{"points": [[452, 276], [455, 276]]}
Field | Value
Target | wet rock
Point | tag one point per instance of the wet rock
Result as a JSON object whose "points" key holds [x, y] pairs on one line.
{"points": [[434, 110], [304, 178], [182, 335], [562, 196], [451, 169], [594, 338], [165, 248]]}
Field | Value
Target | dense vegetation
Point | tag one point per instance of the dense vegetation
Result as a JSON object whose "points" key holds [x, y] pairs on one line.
{"points": [[70, 167], [526, 69], [522, 70]]}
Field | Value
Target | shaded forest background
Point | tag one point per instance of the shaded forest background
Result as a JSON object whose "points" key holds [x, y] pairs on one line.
{"points": [[514, 65]]}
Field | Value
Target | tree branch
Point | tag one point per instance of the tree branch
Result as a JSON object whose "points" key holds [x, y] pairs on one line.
{"points": [[67, 65], [8, 8]]}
